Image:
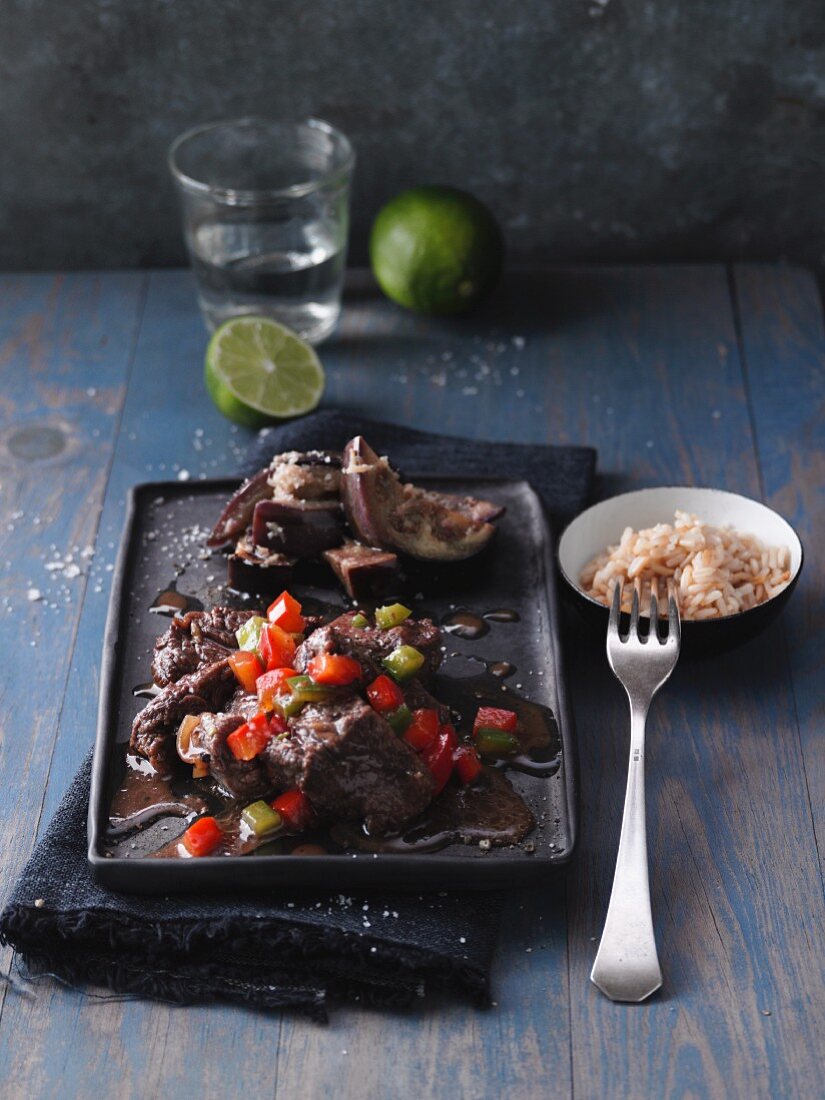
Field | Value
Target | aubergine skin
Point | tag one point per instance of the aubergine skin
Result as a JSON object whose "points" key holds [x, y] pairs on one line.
{"points": [[299, 529], [384, 512], [237, 515]]}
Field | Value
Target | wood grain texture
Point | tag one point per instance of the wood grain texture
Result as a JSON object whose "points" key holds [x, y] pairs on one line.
{"points": [[784, 351], [63, 386], [645, 364]]}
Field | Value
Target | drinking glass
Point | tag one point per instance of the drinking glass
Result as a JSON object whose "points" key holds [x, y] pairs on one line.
{"points": [[266, 217]]}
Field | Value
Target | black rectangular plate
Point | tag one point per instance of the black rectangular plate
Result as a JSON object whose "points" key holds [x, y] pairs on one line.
{"points": [[163, 540]]}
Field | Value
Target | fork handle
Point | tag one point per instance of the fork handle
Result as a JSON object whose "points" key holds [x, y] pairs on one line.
{"points": [[627, 967]]}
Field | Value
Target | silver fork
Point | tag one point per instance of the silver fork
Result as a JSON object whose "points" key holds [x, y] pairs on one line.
{"points": [[627, 966]]}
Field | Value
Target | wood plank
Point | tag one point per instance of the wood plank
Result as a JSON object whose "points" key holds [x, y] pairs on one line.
{"points": [[724, 766], [784, 349], [65, 352]]}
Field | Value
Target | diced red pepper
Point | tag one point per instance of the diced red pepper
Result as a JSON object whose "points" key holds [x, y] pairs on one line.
{"points": [[423, 729], [439, 756], [271, 684], [385, 694], [247, 668], [495, 718], [203, 836], [285, 612], [467, 764], [277, 648], [295, 808], [249, 739], [334, 668]]}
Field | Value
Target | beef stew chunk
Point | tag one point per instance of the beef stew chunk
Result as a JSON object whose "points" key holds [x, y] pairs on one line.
{"points": [[193, 640], [349, 763], [369, 645], [243, 779], [155, 727]]}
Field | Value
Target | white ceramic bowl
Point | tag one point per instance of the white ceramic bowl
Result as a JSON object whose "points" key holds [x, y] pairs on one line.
{"points": [[602, 524]]}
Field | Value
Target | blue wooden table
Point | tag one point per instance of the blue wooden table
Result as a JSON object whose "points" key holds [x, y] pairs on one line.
{"points": [[696, 374]]}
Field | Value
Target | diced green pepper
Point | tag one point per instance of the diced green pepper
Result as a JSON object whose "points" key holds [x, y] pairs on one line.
{"points": [[403, 662], [400, 718], [308, 691], [391, 615], [359, 621], [289, 705], [249, 635], [261, 818], [491, 742]]}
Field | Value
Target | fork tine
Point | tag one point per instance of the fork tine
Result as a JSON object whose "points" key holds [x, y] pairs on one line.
{"points": [[634, 610], [674, 626], [654, 607], [615, 609]]}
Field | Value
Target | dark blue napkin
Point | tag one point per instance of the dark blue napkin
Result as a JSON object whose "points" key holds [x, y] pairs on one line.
{"points": [[279, 949]]}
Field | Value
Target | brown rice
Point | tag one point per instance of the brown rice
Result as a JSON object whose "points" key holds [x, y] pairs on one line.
{"points": [[717, 570]]}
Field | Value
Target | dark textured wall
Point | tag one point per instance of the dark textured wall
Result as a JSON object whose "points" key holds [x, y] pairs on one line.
{"points": [[594, 128]]}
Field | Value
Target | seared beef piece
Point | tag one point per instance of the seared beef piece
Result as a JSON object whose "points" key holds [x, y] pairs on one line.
{"points": [[243, 703], [369, 644], [245, 779], [154, 729], [351, 765], [195, 639], [365, 572]]}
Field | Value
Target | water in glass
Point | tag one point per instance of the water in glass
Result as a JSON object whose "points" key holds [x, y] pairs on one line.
{"points": [[291, 272]]}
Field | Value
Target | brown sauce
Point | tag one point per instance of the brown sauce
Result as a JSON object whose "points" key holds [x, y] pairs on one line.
{"points": [[502, 615], [538, 731], [489, 810], [501, 669], [465, 624], [171, 602], [143, 797]]}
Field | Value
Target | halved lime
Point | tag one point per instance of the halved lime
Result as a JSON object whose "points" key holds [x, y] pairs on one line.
{"points": [[258, 370]]}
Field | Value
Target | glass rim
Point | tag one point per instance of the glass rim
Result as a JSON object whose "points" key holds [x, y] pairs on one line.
{"points": [[232, 196]]}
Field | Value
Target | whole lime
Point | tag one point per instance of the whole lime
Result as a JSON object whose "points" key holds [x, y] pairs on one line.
{"points": [[436, 249]]}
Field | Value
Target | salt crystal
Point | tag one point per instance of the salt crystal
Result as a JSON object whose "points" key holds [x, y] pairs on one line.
{"points": [[91, 391], [71, 571], [34, 594], [183, 475]]}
